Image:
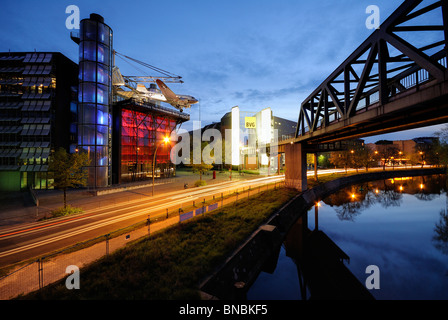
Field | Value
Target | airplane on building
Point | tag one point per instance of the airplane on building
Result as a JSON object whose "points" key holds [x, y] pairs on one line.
{"points": [[133, 86], [178, 101], [140, 91]]}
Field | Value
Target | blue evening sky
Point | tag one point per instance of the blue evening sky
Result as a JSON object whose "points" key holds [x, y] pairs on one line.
{"points": [[250, 53]]}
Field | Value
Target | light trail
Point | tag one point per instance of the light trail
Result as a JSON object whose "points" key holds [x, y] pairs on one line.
{"points": [[122, 213]]}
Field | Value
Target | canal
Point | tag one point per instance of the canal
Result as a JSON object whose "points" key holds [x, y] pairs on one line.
{"points": [[399, 226]]}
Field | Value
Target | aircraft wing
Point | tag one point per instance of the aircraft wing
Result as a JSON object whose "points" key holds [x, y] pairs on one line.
{"points": [[141, 88], [125, 94], [170, 95]]}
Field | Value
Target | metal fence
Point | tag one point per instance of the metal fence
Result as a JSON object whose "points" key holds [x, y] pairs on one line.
{"points": [[50, 268]]}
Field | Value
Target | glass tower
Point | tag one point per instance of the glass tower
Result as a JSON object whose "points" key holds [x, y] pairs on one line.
{"points": [[95, 98]]}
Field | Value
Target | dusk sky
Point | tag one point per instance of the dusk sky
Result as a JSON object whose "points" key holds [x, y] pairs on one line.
{"points": [[250, 53]]}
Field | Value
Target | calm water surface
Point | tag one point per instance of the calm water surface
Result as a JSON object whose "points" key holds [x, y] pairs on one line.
{"points": [[399, 225]]}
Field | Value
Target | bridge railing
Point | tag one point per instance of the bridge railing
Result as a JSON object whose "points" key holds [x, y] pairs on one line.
{"points": [[403, 83]]}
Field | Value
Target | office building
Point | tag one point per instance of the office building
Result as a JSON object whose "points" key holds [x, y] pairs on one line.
{"points": [[38, 114]]}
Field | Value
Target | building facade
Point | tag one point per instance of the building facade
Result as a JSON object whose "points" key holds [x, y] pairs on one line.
{"points": [[119, 134], [139, 130], [248, 136], [48, 102], [38, 114], [95, 98]]}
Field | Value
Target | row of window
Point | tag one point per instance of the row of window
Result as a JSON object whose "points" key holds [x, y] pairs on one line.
{"points": [[36, 179], [37, 70], [37, 58], [8, 85], [24, 160]]}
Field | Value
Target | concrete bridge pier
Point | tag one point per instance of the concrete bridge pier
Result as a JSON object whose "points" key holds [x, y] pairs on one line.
{"points": [[295, 161]]}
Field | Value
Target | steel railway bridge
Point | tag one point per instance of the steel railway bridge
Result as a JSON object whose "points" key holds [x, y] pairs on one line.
{"points": [[396, 80]]}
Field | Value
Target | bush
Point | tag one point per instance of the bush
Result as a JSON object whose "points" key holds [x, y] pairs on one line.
{"points": [[200, 183], [61, 212]]}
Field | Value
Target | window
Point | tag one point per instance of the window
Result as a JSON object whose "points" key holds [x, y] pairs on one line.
{"points": [[47, 58], [103, 54], [89, 29], [89, 51], [89, 71], [87, 94]]}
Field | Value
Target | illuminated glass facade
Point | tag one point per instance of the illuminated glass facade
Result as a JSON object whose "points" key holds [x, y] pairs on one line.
{"points": [[138, 129], [248, 141], [95, 97]]}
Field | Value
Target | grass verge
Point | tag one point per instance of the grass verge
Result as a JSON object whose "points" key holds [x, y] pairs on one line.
{"points": [[169, 265]]}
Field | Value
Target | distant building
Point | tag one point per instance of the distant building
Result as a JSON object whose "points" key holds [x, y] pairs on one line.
{"points": [[405, 151], [247, 136], [38, 114]]}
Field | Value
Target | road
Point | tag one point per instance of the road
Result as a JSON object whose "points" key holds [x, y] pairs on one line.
{"points": [[29, 240], [35, 239]]}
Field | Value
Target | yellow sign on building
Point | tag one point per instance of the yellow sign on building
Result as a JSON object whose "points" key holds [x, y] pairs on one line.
{"points": [[250, 123]]}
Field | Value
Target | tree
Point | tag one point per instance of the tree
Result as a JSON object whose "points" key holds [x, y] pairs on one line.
{"points": [[428, 149], [68, 170], [342, 158], [441, 147], [324, 160], [441, 151], [202, 167], [441, 229], [363, 157], [387, 151]]}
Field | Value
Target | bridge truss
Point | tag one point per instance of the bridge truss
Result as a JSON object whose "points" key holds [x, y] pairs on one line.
{"points": [[402, 56]]}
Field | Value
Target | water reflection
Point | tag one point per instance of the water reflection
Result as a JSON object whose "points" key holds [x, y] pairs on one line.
{"points": [[321, 270], [387, 193], [396, 224], [441, 233]]}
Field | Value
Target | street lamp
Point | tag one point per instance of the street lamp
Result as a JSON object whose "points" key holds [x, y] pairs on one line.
{"points": [[165, 140], [136, 163], [421, 153]]}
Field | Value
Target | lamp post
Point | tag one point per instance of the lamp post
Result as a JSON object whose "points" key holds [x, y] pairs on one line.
{"points": [[136, 164], [165, 140], [421, 153]]}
